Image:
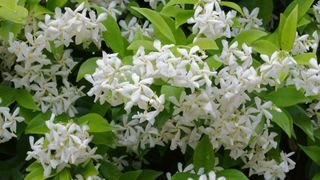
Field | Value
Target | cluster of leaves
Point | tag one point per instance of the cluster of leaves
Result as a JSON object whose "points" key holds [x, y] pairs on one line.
{"points": [[168, 21]]}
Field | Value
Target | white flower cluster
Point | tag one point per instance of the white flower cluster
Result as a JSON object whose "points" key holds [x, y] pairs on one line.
{"points": [[129, 30], [39, 75], [215, 104], [316, 10], [42, 76], [250, 20], [154, 3], [210, 20], [64, 145], [73, 24], [113, 8], [190, 169], [8, 123], [303, 44]]}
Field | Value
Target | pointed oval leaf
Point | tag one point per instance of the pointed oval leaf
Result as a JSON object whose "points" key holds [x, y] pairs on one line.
{"points": [[159, 24]]}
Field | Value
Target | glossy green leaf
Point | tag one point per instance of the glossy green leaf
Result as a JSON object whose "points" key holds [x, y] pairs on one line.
{"points": [[25, 99], [249, 36], [89, 170], [52, 4], [232, 174], [213, 63], [288, 30], [304, 58], [171, 11], [8, 3], [148, 174], [169, 91], [7, 95], [205, 44], [316, 176], [130, 175], [283, 121], [95, 122], [304, 6], [184, 176], [109, 171], [173, 2], [87, 67], [203, 156], [112, 36], [37, 125], [36, 172], [182, 17], [147, 44], [232, 5], [63, 175], [286, 96], [158, 23], [104, 138], [312, 152], [302, 120], [16, 15], [264, 47]]}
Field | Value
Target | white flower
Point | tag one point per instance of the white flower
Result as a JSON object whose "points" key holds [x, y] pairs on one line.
{"points": [[276, 68], [129, 30], [8, 123], [211, 21], [250, 20], [64, 145], [73, 24], [303, 44]]}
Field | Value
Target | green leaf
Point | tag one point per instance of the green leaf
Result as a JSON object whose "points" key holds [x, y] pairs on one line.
{"points": [[304, 6], [109, 171], [130, 175], [89, 170], [17, 14], [316, 176], [63, 175], [264, 47], [232, 5], [232, 174], [95, 122], [8, 3], [147, 44], [283, 121], [35, 173], [205, 44], [213, 63], [203, 156], [173, 2], [52, 4], [288, 30], [7, 95], [158, 23], [249, 36], [104, 138], [171, 11], [182, 17], [184, 176], [25, 99], [37, 124], [302, 120], [169, 91], [87, 67], [147, 174], [112, 36], [312, 152], [286, 96], [304, 58]]}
